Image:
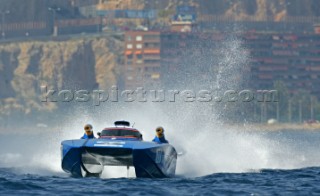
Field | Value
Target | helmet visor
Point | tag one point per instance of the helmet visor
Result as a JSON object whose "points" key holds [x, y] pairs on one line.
{"points": [[87, 128]]}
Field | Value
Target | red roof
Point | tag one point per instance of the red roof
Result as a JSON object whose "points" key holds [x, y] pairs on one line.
{"points": [[120, 128]]}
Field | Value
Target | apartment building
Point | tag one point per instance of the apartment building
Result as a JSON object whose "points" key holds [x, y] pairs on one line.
{"points": [[158, 58], [142, 59], [292, 58]]}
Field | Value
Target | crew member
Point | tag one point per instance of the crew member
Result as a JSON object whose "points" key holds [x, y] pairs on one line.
{"points": [[159, 138], [88, 132]]}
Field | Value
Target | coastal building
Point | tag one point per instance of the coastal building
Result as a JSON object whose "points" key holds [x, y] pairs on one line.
{"points": [[184, 19], [142, 59], [153, 57], [291, 58]]}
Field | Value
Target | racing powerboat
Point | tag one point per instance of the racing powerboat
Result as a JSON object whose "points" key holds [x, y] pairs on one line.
{"points": [[120, 145]]}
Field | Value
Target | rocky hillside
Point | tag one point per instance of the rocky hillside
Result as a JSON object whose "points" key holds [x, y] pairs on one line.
{"points": [[276, 9], [85, 63], [240, 9], [244, 8]]}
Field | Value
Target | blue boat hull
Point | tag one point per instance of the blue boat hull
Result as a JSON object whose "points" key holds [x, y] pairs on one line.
{"points": [[84, 158]]}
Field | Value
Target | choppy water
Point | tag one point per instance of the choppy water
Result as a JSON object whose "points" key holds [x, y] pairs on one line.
{"points": [[294, 182], [221, 162]]}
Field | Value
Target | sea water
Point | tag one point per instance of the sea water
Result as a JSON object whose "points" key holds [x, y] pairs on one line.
{"points": [[247, 162]]}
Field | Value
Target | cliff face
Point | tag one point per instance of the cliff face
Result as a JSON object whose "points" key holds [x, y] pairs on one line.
{"points": [[86, 63], [238, 10], [276, 9], [256, 8]]}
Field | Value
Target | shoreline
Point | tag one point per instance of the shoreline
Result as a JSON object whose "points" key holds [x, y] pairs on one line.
{"points": [[276, 127], [241, 127]]}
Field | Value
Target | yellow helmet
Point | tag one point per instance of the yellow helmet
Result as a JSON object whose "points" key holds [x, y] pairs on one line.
{"points": [[159, 131], [88, 128]]}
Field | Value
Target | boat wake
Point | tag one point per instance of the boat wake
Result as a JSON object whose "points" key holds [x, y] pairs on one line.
{"points": [[207, 149]]}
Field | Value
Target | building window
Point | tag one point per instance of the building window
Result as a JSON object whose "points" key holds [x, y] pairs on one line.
{"points": [[139, 56], [156, 69], [151, 37], [129, 46], [152, 45], [155, 76], [129, 38], [130, 56], [151, 61], [139, 46], [139, 38]]}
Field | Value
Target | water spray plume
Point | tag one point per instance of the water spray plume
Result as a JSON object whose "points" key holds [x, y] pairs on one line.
{"points": [[209, 145]]}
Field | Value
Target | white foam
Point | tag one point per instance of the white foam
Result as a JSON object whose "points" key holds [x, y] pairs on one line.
{"points": [[208, 145]]}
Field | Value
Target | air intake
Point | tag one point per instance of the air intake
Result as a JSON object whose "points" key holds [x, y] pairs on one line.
{"points": [[122, 123]]}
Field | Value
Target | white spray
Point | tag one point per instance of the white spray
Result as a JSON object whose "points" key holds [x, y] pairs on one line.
{"points": [[209, 146]]}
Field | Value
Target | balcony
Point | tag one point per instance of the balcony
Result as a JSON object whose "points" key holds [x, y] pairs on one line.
{"points": [[151, 56]]}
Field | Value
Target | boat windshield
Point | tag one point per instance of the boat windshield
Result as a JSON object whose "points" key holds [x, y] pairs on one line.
{"points": [[121, 133]]}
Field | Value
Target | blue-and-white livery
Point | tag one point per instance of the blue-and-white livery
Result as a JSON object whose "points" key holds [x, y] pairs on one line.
{"points": [[118, 146]]}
